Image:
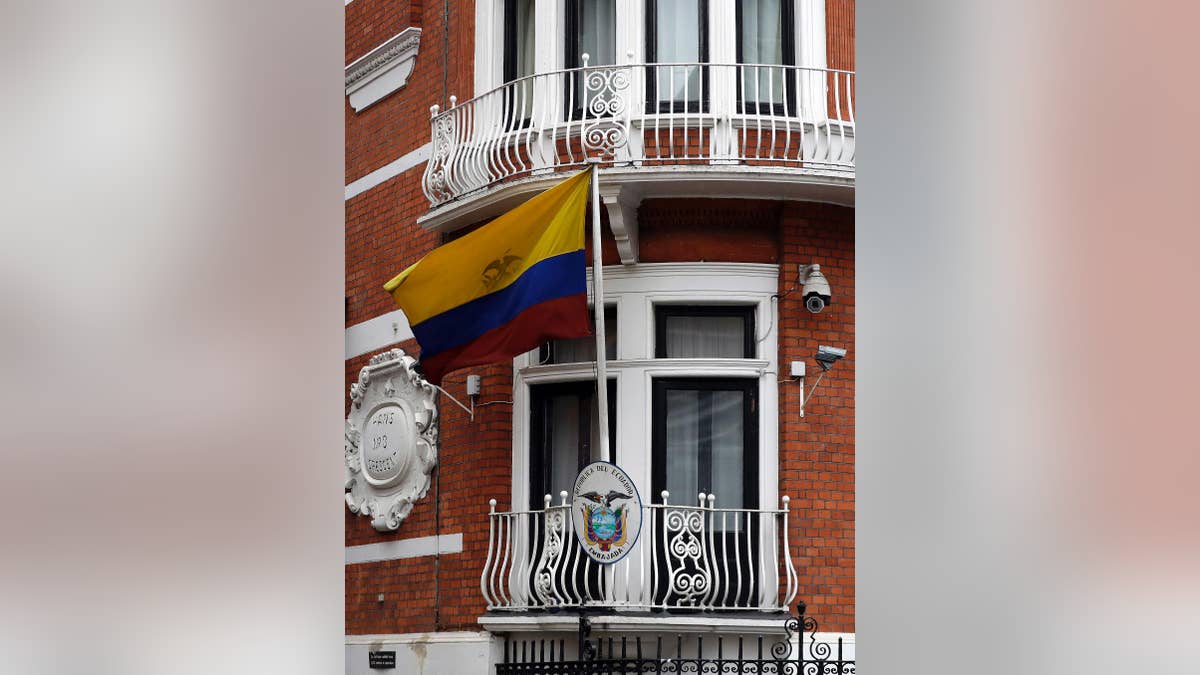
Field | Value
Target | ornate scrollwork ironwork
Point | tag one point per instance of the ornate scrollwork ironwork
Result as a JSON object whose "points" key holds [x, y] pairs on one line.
{"points": [[442, 134], [690, 578], [606, 128], [548, 561]]}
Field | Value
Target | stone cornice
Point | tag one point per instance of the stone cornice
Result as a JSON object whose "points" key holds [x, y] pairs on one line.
{"points": [[382, 70]]}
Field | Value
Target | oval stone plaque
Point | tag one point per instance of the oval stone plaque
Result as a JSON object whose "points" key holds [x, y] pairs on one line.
{"points": [[387, 443]]}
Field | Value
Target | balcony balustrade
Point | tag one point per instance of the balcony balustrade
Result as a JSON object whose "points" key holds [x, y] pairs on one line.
{"points": [[687, 557], [642, 116]]}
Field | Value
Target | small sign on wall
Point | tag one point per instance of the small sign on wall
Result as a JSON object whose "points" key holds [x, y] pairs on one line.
{"points": [[381, 660]]}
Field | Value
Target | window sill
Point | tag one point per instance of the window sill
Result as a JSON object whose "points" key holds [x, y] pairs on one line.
{"points": [[677, 367], [750, 621]]}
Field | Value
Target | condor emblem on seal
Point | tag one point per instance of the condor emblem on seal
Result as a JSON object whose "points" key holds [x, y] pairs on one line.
{"points": [[606, 512]]}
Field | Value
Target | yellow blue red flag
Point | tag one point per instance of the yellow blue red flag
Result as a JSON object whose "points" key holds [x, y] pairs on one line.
{"points": [[503, 289]]}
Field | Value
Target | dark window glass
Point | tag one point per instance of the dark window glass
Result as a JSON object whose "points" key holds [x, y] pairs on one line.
{"points": [[518, 39], [705, 440], [705, 435], [518, 60], [591, 29], [695, 332], [563, 430]]}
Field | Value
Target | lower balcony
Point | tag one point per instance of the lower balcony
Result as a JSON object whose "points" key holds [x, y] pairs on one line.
{"points": [[686, 558]]}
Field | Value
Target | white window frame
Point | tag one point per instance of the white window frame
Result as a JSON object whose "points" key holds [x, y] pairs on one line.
{"points": [[635, 290], [550, 22]]}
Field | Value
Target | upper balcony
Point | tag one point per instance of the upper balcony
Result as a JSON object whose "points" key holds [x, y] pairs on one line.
{"points": [[660, 129]]}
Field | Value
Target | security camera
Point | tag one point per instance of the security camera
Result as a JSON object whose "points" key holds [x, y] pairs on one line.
{"points": [[827, 356], [816, 288]]}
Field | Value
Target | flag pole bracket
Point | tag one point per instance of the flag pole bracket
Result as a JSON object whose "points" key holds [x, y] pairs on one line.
{"points": [[470, 411]]}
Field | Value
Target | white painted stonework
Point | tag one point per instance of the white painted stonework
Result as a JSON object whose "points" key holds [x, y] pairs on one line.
{"points": [[388, 171], [378, 333], [400, 549], [383, 70], [391, 439], [467, 652]]}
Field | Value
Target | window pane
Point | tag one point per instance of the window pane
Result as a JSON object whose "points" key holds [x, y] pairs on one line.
{"points": [[582, 350], [564, 444], [596, 21], [564, 428], [728, 448], [762, 35], [518, 61], [764, 25], [519, 54], [683, 446], [722, 337], [678, 25], [705, 450]]}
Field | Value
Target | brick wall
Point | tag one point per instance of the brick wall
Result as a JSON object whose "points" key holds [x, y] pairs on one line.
{"points": [[382, 238], [475, 463], [839, 32], [399, 123], [816, 452]]}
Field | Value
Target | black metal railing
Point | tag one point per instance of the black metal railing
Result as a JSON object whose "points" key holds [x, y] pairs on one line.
{"points": [[791, 654]]}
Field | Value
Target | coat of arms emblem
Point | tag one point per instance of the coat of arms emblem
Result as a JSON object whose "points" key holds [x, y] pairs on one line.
{"points": [[606, 512], [606, 525]]}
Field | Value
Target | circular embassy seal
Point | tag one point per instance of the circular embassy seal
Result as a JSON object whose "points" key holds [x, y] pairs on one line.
{"points": [[606, 512]]}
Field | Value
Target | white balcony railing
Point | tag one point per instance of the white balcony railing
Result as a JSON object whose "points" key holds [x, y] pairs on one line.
{"points": [[695, 557], [644, 115]]}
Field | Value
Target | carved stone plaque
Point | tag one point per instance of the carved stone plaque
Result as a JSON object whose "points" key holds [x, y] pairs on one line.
{"points": [[391, 439]]}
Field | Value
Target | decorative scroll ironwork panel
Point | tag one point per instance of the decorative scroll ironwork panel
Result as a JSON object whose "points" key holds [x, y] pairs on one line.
{"points": [[796, 652]]}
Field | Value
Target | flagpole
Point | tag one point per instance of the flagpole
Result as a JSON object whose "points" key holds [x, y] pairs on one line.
{"points": [[601, 453]]}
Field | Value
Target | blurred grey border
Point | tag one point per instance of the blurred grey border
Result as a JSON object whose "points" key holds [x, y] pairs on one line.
{"points": [[1026, 338], [171, 278]]}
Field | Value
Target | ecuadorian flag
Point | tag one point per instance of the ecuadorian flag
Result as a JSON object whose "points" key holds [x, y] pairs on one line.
{"points": [[504, 288]]}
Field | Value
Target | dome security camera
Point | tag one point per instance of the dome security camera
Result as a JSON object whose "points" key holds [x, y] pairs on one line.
{"points": [[816, 291]]}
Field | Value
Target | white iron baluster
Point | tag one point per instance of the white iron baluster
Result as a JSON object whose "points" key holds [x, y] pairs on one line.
{"points": [[793, 582], [714, 583], [725, 561], [749, 561], [486, 581]]}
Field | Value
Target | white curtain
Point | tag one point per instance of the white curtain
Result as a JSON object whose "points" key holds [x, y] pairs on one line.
{"points": [[677, 40], [683, 446], [580, 350], [564, 444], [700, 337], [727, 448], [597, 31], [689, 412], [525, 38], [521, 95], [762, 43]]}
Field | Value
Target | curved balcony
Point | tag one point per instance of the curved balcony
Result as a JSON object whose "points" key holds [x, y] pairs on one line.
{"points": [[687, 557], [666, 122]]}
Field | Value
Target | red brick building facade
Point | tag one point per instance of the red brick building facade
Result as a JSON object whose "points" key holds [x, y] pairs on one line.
{"points": [[765, 190]]}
